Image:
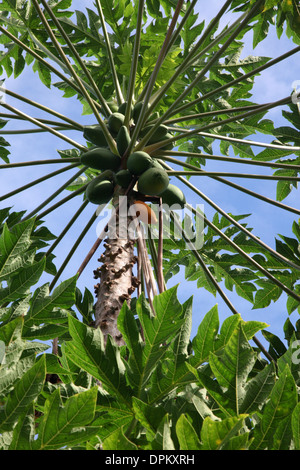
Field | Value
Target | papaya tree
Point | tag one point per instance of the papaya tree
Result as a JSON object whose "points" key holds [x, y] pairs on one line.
{"points": [[166, 99]]}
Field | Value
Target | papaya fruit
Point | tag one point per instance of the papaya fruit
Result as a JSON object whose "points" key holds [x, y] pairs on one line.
{"points": [[123, 140], [113, 106], [115, 121], [123, 178], [101, 158], [153, 182], [173, 195], [93, 133], [156, 164], [99, 191], [122, 108], [170, 145], [158, 135], [138, 162], [137, 110]]}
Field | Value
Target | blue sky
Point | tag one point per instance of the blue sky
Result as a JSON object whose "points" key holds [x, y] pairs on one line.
{"points": [[267, 220]]}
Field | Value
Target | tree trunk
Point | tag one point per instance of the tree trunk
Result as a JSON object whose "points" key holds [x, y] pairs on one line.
{"points": [[117, 282]]}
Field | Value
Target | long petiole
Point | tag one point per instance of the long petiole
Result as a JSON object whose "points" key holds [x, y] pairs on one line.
{"points": [[134, 63], [37, 181], [73, 249], [110, 141], [119, 95], [167, 155], [200, 75], [78, 58], [233, 175], [44, 126], [42, 107], [246, 256], [244, 141], [262, 109], [62, 201], [153, 76], [40, 162], [56, 193], [67, 227], [237, 224], [236, 186]]}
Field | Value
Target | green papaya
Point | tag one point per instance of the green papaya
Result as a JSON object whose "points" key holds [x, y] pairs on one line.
{"points": [[123, 140], [156, 164], [99, 191], [122, 108], [113, 106], [138, 162], [173, 195], [123, 178], [94, 134], [101, 158], [137, 110], [153, 182], [158, 135], [170, 145], [115, 121]]}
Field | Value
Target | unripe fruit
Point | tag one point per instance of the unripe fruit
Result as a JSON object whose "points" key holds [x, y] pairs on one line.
{"points": [[159, 134], [138, 162], [123, 140], [101, 159], [122, 108], [99, 191], [173, 195], [137, 110], [153, 182], [115, 121], [123, 178], [94, 134]]}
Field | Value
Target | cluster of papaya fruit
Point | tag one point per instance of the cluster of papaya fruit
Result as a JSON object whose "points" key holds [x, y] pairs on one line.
{"points": [[152, 179]]}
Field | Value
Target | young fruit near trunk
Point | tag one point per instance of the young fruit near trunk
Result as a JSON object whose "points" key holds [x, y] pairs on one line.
{"points": [[153, 182]]}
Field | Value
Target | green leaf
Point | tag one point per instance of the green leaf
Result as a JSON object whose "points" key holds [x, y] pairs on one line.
{"points": [[87, 351], [203, 342], [158, 329], [257, 389], [216, 435], [232, 367], [281, 403], [48, 308], [118, 441], [66, 424], [129, 329], [187, 436], [149, 416], [13, 248], [21, 282], [24, 431], [296, 426], [24, 393]]}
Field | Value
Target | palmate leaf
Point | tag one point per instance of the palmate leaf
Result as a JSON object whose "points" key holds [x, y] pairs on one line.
{"points": [[217, 435], [187, 436], [158, 330], [49, 308], [20, 283], [232, 367], [66, 424], [279, 408], [14, 247], [24, 393], [87, 351]]}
